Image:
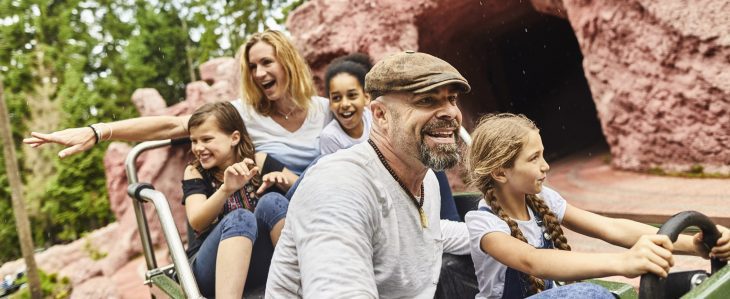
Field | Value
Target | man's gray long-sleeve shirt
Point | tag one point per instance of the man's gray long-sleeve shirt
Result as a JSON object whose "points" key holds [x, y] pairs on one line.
{"points": [[353, 232]]}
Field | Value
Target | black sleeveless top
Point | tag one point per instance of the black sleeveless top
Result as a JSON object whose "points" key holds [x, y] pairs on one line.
{"points": [[245, 198]]}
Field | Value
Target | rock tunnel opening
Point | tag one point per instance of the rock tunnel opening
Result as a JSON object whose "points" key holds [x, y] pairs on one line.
{"points": [[521, 61]]}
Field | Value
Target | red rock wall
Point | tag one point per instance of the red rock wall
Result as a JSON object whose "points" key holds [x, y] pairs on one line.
{"points": [[659, 72], [323, 30]]}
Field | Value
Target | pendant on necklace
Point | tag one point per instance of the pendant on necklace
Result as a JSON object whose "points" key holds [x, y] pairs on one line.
{"points": [[424, 219]]}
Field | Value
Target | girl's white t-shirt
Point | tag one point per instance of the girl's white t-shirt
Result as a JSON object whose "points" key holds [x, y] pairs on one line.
{"points": [[296, 150], [335, 138], [489, 271]]}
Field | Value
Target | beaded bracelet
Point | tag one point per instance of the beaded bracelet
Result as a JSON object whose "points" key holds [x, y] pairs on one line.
{"points": [[96, 134]]}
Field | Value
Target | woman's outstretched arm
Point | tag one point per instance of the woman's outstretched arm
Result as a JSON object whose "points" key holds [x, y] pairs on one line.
{"points": [[144, 128]]}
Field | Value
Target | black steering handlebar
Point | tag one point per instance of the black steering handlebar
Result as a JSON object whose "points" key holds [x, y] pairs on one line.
{"points": [[652, 286]]}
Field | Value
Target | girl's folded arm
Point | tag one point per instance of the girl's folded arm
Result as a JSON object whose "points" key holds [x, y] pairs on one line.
{"points": [[202, 211]]}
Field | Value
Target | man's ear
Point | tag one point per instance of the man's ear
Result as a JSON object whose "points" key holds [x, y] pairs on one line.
{"points": [[235, 138], [499, 175], [380, 113]]}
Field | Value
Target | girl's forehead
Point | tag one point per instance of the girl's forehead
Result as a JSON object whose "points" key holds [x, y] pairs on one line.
{"points": [[533, 140], [210, 123], [345, 78]]}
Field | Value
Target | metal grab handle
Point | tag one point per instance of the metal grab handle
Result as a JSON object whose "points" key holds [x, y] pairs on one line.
{"points": [[130, 162], [146, 193], [130, 165], [464, 135], [651, 285]]}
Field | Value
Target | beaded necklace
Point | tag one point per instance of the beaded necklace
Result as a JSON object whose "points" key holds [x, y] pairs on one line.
{"points": [[418, 203]]}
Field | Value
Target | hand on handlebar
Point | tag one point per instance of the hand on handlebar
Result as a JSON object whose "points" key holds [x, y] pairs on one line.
{"points": [[76, 140], [650, 254], [721, 250]]}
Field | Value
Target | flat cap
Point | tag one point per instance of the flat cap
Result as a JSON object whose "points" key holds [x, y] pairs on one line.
{"points": [[412, 72]]}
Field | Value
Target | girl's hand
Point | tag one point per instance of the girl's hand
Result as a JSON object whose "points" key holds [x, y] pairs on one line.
{"points": [[237, 175], [76, 140], [651, 254], [271, 178], [721, 250]]}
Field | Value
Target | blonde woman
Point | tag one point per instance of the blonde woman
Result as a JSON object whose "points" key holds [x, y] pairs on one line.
{"points": [[279, 107]]}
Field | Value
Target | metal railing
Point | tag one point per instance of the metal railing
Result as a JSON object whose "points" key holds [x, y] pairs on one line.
{"points": [[144, 192]]}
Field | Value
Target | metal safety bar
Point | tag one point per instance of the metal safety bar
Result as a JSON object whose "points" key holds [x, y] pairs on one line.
{"points": [[464, 135], [143, 192]]}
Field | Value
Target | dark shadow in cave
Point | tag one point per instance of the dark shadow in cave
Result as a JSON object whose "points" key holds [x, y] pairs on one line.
{"points": [[521, 61]]}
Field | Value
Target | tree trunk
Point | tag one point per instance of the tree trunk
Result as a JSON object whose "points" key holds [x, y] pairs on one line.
{"points": [[16, 187]]}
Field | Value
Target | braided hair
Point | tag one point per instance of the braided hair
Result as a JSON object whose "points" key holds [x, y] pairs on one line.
{"points": [[496, 143]]}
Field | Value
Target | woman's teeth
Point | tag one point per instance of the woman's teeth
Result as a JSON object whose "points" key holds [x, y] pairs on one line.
{"points": [[267, 85]]}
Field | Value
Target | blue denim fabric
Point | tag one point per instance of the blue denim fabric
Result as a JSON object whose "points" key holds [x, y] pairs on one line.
{"points": [[271, 208], [583, 290], [448, 206]]}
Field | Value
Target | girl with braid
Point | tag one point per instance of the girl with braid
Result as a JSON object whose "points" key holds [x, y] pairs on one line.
{"points": [[517, 243]]}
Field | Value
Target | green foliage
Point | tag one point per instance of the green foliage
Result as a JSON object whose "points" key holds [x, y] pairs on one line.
{"points": [[52, 286], [157, 55], [86, 58], [8, 233], [93, 252], [695, 171], [18, 111]]}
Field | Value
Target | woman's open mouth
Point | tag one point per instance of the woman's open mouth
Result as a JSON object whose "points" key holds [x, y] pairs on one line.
{"points": [[268, 84]]}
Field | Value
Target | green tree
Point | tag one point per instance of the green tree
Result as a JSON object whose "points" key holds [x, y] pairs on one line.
{"points": [[73, 63], [157, 54]]}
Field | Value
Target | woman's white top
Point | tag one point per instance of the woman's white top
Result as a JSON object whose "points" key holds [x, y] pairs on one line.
{"points": [[296, 150]]}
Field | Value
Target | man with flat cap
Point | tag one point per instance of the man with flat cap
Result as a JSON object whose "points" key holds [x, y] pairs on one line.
{"points": [[364, 222]]}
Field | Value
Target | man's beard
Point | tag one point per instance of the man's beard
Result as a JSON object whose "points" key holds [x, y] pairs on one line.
{"points": [[441, 156]]}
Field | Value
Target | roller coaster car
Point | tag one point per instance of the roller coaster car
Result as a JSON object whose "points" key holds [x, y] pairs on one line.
{"points": [[177, 281]]}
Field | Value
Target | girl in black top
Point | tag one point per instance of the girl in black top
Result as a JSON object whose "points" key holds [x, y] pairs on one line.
{"points": [[231, 193]]}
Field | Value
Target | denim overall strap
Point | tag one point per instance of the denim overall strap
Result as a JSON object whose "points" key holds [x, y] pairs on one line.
{"points": [[515, 284]]}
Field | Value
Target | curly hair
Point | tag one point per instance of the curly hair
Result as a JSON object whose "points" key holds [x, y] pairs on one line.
{"points": [[496, 143], [356, 65]]}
